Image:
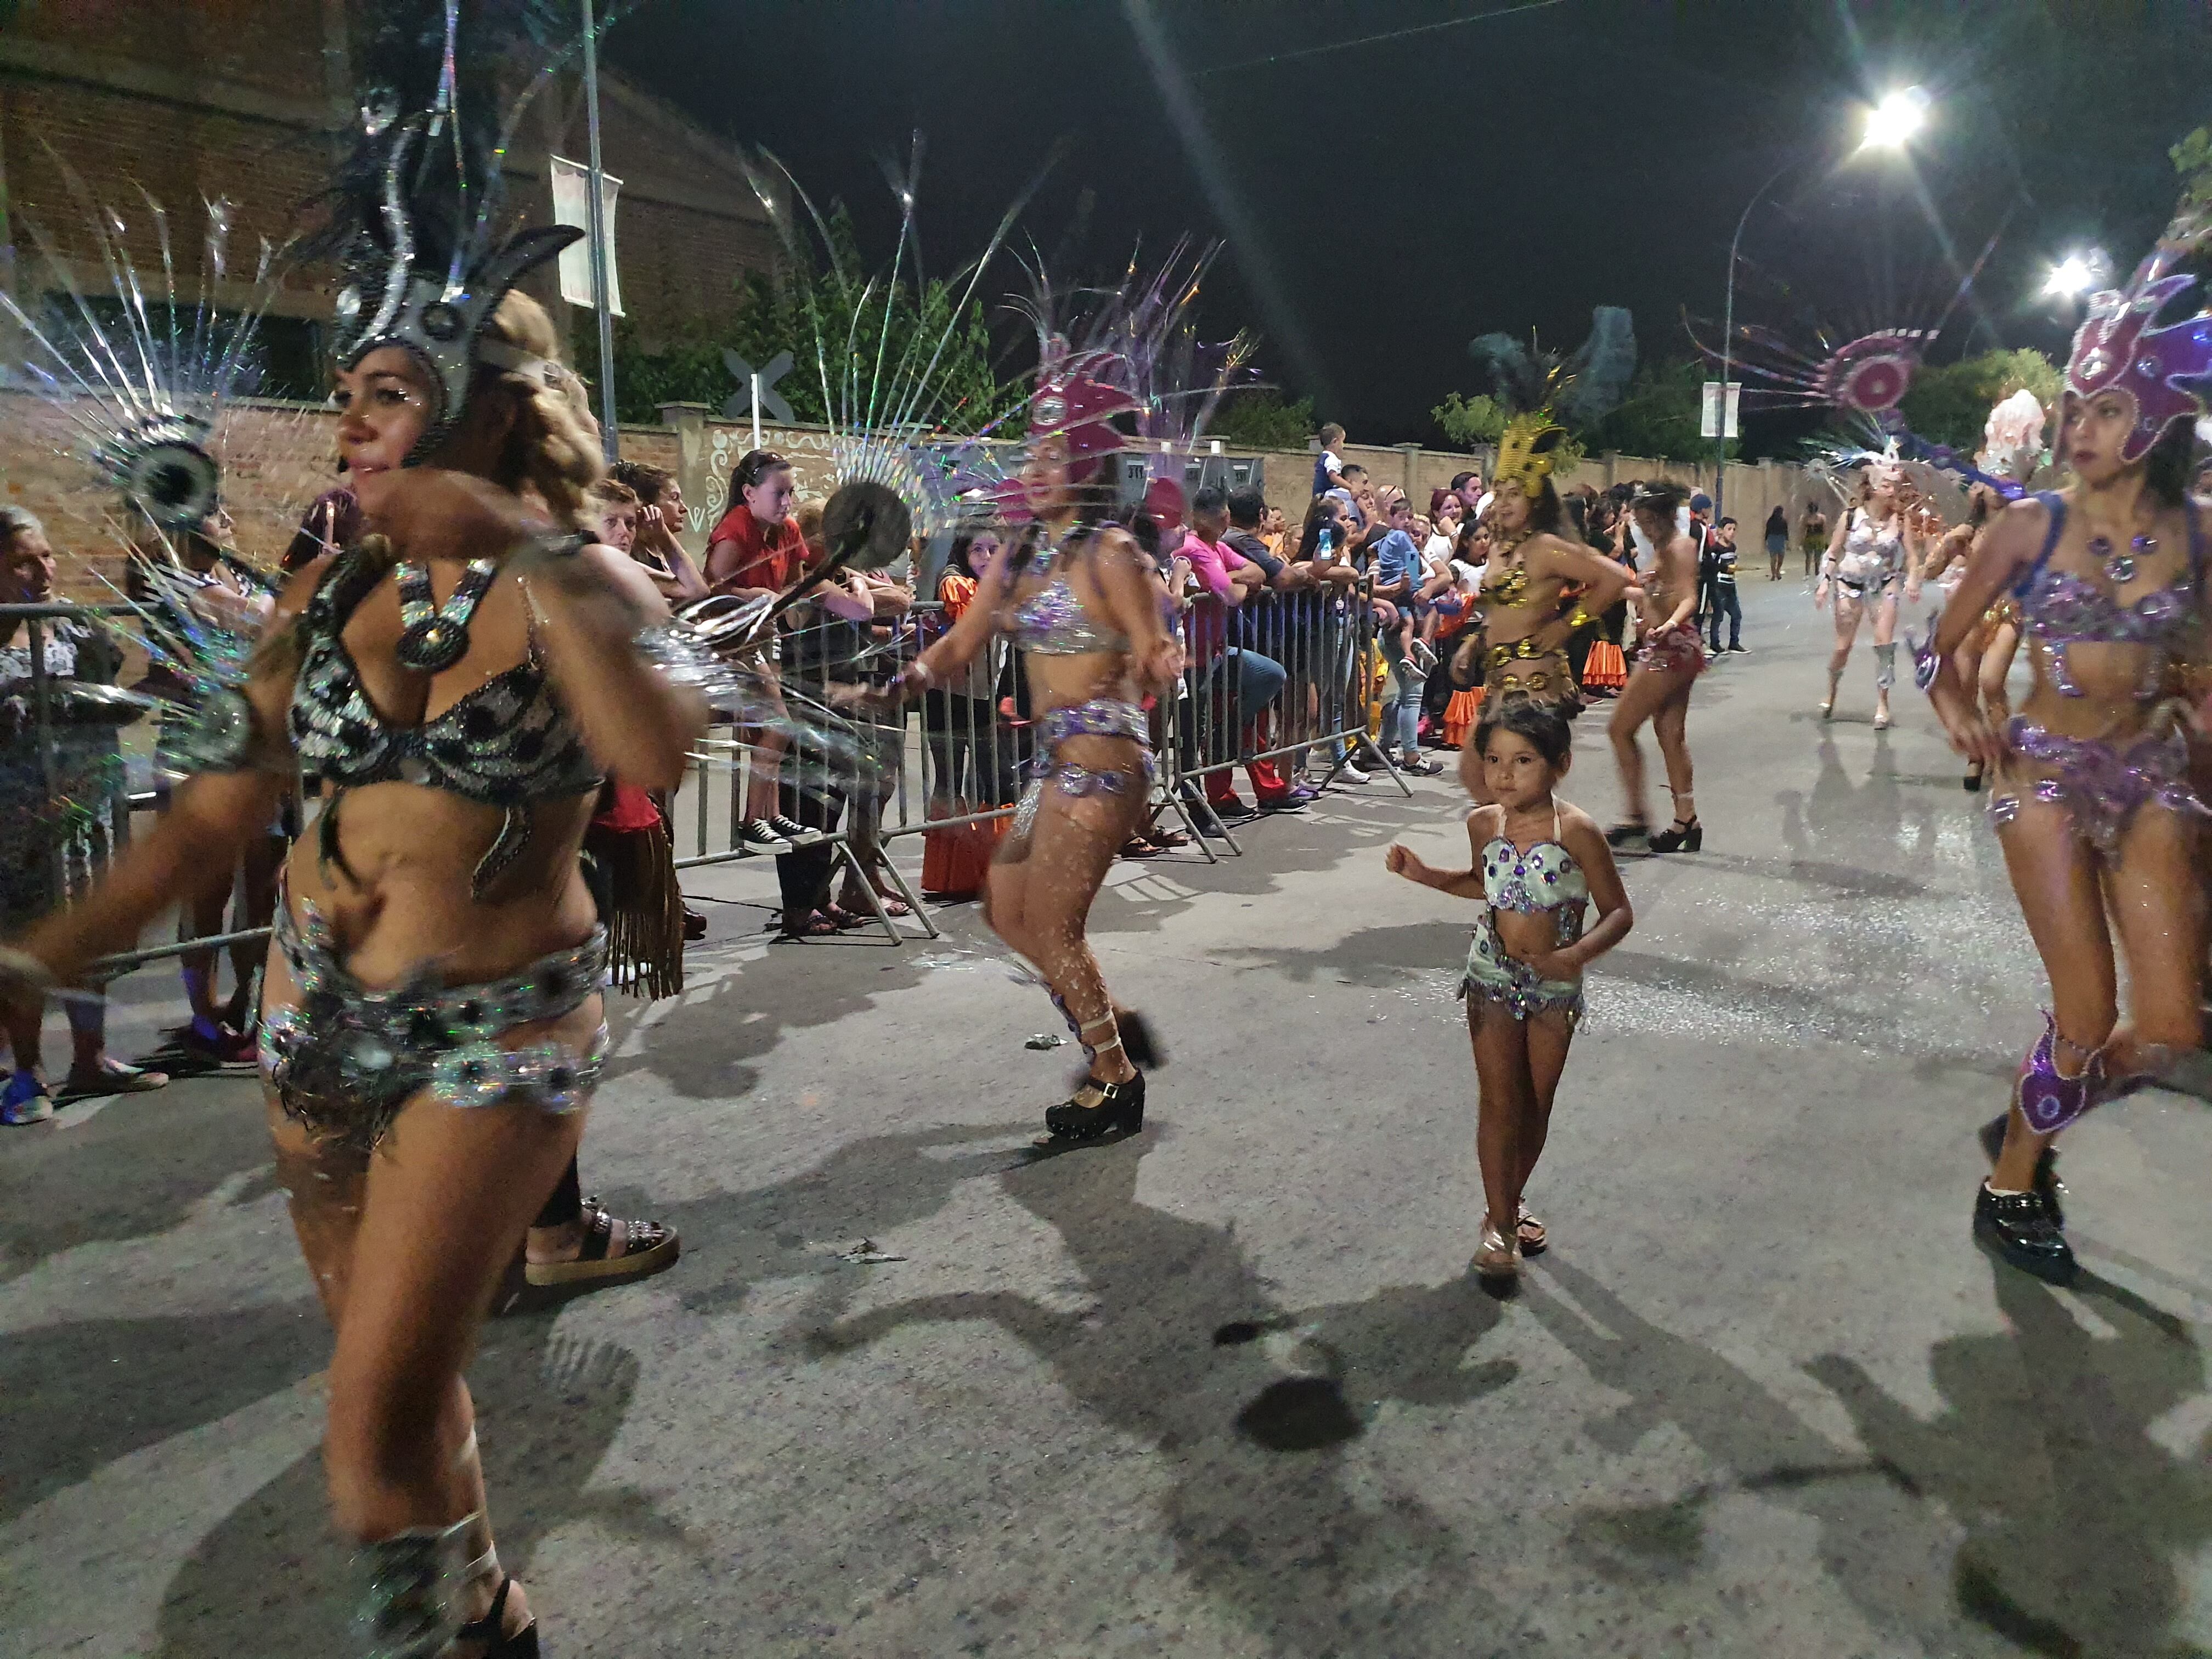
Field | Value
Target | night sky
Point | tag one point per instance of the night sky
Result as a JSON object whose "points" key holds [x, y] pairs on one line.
{"points": [[1385, 202]]}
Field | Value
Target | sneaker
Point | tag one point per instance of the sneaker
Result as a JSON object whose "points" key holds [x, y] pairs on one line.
{"points": [[1229, 806], [1290, 800], [1212, 828], [791, 829], [2019, 1227], [755, 836], [219, 1047], [1348, 773], [24, 1100], [1739, 650], [1420, 768]]}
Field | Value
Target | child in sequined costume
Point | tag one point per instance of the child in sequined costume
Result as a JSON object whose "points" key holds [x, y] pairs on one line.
{"points": [[2089, 782], [1538, 864]]}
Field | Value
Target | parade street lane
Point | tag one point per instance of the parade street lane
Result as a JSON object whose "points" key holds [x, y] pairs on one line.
{"points": [[1227, 1389]]}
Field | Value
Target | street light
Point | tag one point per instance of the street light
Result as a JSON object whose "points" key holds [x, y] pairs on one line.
{"points": [[1891, 124], [2075, 275], [1896, 120]]}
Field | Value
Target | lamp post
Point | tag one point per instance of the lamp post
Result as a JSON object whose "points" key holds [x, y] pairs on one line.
{"points": [[1890, 126], [595, 220]]}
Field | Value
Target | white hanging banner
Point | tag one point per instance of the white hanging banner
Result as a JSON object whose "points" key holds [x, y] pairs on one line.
{"points": [[1708, 422], [572, 205]]}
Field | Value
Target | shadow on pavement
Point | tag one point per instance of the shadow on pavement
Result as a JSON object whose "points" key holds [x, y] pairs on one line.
{"points": [[2072, 1515], [1176, 1349]]}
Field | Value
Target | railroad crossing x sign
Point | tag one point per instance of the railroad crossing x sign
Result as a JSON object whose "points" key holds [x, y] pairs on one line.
{"points": [[771, 401]]}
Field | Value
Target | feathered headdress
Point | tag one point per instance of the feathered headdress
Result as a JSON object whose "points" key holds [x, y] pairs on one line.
{"points": [[1540, 388], [415, 211], [2163, 372]]}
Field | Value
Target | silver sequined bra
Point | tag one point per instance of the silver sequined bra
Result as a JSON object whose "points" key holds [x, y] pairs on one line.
{"points": [[347, 1058], [507, 742]]}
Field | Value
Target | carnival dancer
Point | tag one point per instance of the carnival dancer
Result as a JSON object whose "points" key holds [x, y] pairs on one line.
{"points": [[2012, 449], [1075, 595], [454, 687], [2090, 788], [1538, 864], [1667, 661], [1534, 559], [1876, 550]]}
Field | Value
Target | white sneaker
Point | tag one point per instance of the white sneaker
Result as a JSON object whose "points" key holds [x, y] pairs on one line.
{"points": [[755, 836], [25, 1101], [1348, 773]]}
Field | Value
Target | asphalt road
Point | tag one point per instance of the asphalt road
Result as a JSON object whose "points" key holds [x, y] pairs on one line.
{"points": [[1227, 1389]]}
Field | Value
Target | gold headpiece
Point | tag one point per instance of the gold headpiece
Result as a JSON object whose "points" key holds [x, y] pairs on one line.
{"points": [[1527, 450]]}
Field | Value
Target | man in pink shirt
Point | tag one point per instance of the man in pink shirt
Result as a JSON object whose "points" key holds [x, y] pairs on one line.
{"points": [[1231, 580]]}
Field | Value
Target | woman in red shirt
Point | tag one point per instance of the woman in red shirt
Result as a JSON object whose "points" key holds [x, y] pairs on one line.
{"points": [[757, 549]]}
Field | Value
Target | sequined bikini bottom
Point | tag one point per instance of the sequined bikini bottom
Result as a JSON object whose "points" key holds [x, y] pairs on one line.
{"points": [[1672, 650], [345, 1058], [2103, 785], [1492, 975], [1101, 717]]}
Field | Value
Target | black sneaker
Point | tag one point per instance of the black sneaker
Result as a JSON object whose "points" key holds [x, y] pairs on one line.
{"points": [[2019, 1227], [2047, 1183]]}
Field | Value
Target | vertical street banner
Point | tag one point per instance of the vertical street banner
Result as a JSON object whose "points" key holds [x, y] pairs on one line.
{"points": [[572, 205], [1708, 425]]}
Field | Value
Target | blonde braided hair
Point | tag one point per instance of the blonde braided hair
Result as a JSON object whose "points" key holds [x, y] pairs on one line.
{"points": [[553, 448]]}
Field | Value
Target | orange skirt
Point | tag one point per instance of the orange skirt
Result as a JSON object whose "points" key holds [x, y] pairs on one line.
{"points": [[1461, 715], [1607, 670]]}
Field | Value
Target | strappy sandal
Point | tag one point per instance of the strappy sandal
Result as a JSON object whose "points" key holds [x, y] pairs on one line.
{"points": [[1167, 841], [1530, 1233], [818, 925], [649, 1248], [1497, 1257], [1137, 847], [497, 1643], [842, 918], [893, 906]]}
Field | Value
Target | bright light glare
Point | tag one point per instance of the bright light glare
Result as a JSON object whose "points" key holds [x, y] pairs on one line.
{"points": [[1896, 120], [2072, 276]]}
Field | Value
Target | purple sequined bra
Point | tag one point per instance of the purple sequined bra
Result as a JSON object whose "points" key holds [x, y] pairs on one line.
{"points": [[2060, 608], [1055, 622]]}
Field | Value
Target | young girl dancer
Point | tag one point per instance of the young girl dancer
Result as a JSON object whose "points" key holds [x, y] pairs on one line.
{"points": [[2090, 784], [1538, 862]]}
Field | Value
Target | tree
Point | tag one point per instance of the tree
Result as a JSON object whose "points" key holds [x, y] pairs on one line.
{"points": [[1949, 405], [1262, 420], [2192, 160], [871, 341], [1470, 422], [1660, 417]]}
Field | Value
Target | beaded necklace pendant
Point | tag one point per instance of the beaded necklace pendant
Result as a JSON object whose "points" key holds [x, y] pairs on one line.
{"points": [[434, 638]]}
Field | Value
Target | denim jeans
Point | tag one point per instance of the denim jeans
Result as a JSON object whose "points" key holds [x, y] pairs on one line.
{"points": [[1401, 721], [1726, 604]]}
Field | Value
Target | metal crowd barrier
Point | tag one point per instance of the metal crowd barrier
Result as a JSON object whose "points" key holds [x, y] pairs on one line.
{"points": [[960, 756], [43, 740]]}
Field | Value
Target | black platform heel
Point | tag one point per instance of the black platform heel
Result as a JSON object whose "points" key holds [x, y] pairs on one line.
{"points": [[1681, 837], [1096, 1111], [523, 1644]]}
